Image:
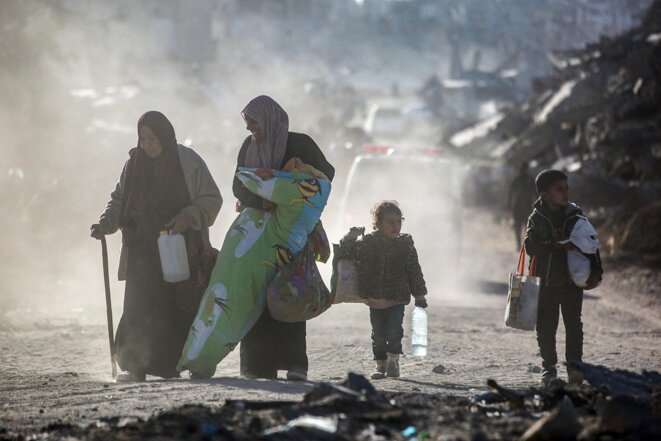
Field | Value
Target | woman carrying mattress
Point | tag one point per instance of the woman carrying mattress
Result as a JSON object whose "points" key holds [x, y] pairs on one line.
{"points": [[272, 345]]}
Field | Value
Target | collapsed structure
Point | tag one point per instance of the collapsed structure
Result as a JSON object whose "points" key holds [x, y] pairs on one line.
{"points": [[598, 117]]}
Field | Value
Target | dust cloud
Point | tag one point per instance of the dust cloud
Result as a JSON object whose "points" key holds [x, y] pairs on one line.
{"points": [[77, 75], [76, 78]]}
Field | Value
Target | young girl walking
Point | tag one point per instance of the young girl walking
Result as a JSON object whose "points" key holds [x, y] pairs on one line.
{"points": [[388, 275]]}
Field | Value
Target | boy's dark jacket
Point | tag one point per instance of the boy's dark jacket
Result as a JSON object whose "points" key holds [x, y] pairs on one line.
{"points": [[541, 243], [387, 268]]}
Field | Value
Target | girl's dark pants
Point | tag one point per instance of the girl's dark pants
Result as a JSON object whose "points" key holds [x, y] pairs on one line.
{"points": [[552, 300], [387, 331]]}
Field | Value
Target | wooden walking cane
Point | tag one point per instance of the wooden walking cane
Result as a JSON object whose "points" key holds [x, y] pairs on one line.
{"points": [[111, 331]]}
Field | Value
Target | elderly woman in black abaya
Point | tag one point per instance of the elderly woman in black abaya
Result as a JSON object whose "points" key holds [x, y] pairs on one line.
{"points": [[272, 345], [163, 185]]}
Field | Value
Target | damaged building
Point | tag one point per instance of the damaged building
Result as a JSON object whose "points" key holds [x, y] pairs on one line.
{"points": [[598, 117]]}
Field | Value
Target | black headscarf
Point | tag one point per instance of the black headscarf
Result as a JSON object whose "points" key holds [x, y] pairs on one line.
{"points": [[161, 126], [155, 188]]}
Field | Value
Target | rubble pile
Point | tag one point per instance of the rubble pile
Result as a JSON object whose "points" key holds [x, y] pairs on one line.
{"points": [[620, 405], [598, 118]]}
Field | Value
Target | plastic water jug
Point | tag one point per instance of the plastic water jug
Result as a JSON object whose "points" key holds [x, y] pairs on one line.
{"points": [[419, 332], [174, 259]]}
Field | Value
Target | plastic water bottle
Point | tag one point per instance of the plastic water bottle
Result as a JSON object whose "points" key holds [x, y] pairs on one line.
{"points": [[419, 332], [174, 258]]}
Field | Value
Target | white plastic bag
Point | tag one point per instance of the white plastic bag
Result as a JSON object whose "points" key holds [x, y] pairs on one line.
{"points": [[584, 236], [579, 268], [522, 298]]}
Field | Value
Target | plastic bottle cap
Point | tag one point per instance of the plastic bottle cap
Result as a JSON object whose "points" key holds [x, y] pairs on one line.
{"points": [[164, 232]]}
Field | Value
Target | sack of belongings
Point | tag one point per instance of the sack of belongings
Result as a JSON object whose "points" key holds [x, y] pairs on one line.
{"points": [[298, 293], [585, 239]]}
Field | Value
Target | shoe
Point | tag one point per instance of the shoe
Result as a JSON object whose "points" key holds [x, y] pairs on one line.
{"points": [[380, 371], [257, 373], [296, 374], [259, 376], [195, 376], [575, 373], [392, 365], [131, 377], [549, 375]]}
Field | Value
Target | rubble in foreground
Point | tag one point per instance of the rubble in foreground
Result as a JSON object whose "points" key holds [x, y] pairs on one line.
{"points": [[614, 405]]}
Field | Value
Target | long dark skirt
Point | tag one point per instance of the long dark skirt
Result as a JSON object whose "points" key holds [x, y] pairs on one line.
{"points": [[153, 330], [272, 345]]}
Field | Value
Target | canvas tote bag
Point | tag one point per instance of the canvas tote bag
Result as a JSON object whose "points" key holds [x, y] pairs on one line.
{"points": [[522, 296], [344, 281]]}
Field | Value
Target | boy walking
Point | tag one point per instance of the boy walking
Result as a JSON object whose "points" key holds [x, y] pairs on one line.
{"points": [[551, 221]]}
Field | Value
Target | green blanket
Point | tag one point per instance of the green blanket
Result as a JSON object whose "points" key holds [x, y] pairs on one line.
{"points": [[256, 246]]}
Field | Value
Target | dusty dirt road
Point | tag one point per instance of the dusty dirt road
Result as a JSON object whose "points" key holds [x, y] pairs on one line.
{"points": [[55, 365]]}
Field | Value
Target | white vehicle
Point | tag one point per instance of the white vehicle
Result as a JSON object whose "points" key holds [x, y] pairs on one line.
{"points": [[428, 190], [384, 123], [395, 124]]}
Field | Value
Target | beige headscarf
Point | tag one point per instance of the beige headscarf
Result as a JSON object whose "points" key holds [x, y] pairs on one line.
{"points": [[274, 122]]}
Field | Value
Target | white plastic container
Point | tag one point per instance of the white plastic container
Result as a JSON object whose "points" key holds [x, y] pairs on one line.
{"points": [[174, 259], [419, 332]]}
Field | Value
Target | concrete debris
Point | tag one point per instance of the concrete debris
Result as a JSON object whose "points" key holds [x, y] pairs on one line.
{"points": [[604, 108], [561, 424], [598, 118], [356, 410]]}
